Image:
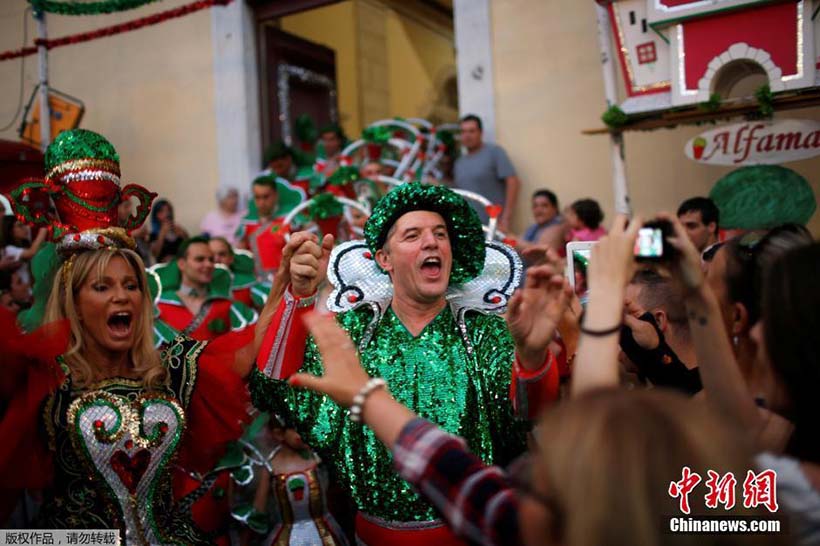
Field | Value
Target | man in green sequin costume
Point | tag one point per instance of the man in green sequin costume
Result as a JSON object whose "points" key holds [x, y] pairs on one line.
{"points": [[474, 374]]}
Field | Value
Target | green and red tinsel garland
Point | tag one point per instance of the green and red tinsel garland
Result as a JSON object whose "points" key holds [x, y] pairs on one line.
{"points": [[95, 7], [148, 20]]}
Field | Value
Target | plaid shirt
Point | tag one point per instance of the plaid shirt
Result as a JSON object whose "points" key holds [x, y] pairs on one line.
{"points": [[476, 500]]}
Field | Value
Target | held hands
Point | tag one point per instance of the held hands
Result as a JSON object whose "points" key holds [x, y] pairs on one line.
{"points": [[534, 312], [282, 276], [308, 262], [303, 266], [344, 376]]}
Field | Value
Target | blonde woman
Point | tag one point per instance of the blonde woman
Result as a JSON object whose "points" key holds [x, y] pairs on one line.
{"points": [[101, 426]]}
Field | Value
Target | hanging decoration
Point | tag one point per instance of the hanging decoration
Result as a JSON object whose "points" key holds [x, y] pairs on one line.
{"points": [[765, 100], [756, 143], [95, 7], [284, 72], [121, 28], [676, 55]]}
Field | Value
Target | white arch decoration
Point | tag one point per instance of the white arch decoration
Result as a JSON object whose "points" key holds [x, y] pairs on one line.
{"points": [[745, 52]]}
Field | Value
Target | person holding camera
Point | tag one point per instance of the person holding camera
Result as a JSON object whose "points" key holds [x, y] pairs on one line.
{"points": [[166, 235]]}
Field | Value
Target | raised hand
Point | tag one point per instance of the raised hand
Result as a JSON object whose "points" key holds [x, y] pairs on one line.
{"points": [[612, 260], [281, 280], [611, 266], [687, 267], [344, 376], [308, 265], [535, 311]]}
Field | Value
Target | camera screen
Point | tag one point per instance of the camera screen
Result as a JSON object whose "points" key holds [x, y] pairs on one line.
{"points": [[578, 281], [649, 243]]}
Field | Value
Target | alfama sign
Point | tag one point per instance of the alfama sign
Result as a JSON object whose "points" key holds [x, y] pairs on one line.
{"points": [[756, 143]]}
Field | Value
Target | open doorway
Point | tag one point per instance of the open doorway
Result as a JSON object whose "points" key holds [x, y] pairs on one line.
{"points": [[298, 78], [353, 62]]}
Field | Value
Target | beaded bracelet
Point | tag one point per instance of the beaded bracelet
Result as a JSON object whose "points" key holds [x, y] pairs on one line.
{"points": [[359, 400]]}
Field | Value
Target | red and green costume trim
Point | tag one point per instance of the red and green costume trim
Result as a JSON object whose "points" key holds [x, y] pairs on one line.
{"points": [[246, 288], [218, 315]]}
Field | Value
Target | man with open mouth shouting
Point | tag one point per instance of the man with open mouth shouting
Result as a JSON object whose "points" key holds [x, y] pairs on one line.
{"points": [[427, 327]]}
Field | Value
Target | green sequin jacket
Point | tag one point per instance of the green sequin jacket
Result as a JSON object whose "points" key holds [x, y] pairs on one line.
{"points": [[454, 373]]}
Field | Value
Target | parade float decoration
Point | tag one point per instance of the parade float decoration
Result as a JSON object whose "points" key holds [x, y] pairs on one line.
{"points": [[410, 150], [703, 61], [744, 197]]}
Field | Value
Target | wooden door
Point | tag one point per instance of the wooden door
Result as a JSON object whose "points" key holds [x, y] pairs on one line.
{"points": [[297, 77]]}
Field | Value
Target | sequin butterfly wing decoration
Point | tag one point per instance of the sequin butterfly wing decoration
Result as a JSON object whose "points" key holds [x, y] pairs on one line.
{"points": [[490, 291], [357, 279], [128, 445]]}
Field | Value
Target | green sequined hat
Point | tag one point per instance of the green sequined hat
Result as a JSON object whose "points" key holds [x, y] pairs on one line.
{"points": [[763, 197], [463, 224]]}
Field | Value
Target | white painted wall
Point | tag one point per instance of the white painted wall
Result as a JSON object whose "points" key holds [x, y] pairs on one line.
{"points": [[236, 96], [475, 61]]}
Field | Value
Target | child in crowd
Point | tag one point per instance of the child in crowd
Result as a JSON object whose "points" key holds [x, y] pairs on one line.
{"points": [[17, 250], [584, 218]]}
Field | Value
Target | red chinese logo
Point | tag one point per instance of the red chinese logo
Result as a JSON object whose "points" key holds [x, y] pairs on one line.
{"points": [[758, 489], [683, 487], [721, 490]]}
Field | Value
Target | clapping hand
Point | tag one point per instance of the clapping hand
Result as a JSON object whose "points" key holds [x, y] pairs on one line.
{"points": [[534, 312]]}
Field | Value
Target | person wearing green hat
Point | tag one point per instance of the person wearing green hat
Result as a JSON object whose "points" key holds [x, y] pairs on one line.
{"points": [[196, 294], [331, 141], [261, 229], [762, 197], [245, 287], [279, 160], [421, 299]]}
